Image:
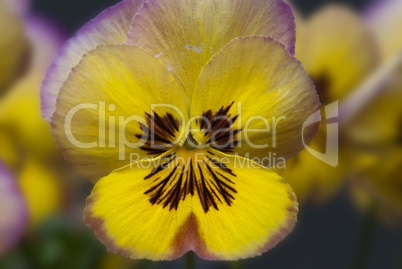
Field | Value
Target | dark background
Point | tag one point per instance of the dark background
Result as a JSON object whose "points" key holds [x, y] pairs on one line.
{"points": [[325, 237], [72, 14]]}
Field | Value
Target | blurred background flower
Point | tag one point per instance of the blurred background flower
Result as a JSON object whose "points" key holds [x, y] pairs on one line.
{"points": [[374, 133], [29, 150], [338, 52], [13, 211], [351, 51]]}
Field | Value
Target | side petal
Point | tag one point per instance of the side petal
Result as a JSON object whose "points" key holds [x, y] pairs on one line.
{"points": [[14, 48], [185, 34], [256, 99], [221, 207], [13, 211], [107, 110], [109, 27]]}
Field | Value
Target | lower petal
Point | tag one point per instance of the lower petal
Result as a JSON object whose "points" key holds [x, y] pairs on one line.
{"points": [[263, 213], [221, 207], [127, 222]]}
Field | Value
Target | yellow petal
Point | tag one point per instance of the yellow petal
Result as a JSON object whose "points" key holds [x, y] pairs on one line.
{"points": [[101, 110], [185, 34], [264, 92], [13, 46], [22, 125], [221, 207], [337, 51], [42, 190], [125, 220], [263, 212]]}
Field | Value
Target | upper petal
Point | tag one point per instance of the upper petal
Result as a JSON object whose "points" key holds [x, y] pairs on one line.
{"points": [[185, 34], [257, 99], [107, 110], [109, 27], [13, 211]]}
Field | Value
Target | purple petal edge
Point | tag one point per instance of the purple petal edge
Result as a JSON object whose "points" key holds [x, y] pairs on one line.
{"points": [[15, 232], [288, 11], [48, 94]]}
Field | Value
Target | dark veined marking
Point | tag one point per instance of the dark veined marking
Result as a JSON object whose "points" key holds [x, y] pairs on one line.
{"points": [[158, 133], [219, 128], [171, 183], [322, 83]]}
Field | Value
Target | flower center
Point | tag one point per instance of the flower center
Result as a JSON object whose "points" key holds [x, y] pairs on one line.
{"points": [[191, 173], [190, 169]]}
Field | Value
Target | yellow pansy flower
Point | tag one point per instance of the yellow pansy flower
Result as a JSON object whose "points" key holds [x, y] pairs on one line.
{"points": [[13, 45], [338, 52], [175, 124]]}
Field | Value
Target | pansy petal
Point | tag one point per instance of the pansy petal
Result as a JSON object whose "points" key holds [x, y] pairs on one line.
{"points": [[22, 128], [336, 67], [260, 95], [14, 49], [220, 207], [13, 211], [185, 34], [262, 213], [101, 121], [109, 27], [125, 220], [42, 190]]}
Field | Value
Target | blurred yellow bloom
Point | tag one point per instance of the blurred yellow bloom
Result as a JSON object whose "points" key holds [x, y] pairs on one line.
{"points": [[26, 143], [42, 190], [374, 126], [375, 136], [338, 52], [14, 49]]}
